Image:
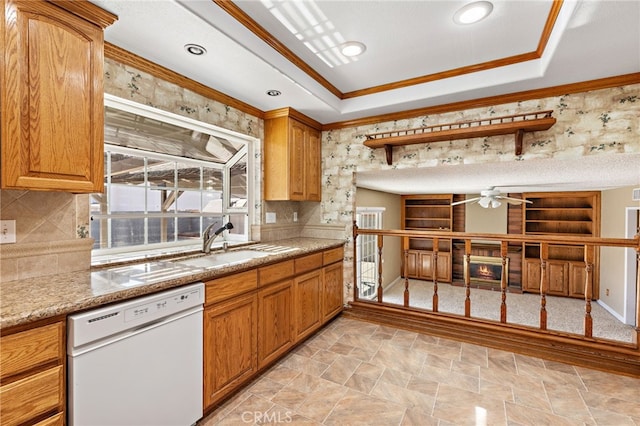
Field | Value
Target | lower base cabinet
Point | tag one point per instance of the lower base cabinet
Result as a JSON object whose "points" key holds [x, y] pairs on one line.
{"points": [[275, 334], [32, 376], [230, 331], [255, 317], [564, 277], [420, 265]]}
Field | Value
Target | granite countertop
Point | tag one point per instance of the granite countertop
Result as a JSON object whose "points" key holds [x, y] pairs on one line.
{"points": [[25, 301]]}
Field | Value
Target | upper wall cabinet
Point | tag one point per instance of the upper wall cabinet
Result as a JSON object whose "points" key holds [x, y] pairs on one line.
{"points": [[292, 154], [52, 95]]}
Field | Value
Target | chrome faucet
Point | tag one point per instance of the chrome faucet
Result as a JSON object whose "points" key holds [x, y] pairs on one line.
{"points": [[208, 239]]}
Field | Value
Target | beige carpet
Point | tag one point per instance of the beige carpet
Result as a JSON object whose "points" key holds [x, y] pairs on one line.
{"points": [[563, 313]]}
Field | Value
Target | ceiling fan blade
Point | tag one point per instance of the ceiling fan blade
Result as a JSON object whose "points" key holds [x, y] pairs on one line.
{"points": [[512, 200], [470, 200]]}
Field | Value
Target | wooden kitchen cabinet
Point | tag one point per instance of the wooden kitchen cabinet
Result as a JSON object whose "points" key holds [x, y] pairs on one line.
{"points": [[275, 318], [332, 283], [308, 303], [230, 334], [32, 375], [292, 157], [230, 346], [52, 95]]}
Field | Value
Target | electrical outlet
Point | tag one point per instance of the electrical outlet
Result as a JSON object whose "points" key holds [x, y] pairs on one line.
{"points": [[606, 292], [7, 231], [270, 217], [295, 216]]}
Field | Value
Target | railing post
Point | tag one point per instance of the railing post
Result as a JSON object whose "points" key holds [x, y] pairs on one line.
{"points": [[589, 251], [356, 292], [504, 246], [436, 242], [380, 237], [544, 255], [637, 335], [405, 265], [467, 278]]}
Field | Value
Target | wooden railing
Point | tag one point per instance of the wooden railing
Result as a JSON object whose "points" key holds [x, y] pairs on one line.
{"points": [[590, 244]]}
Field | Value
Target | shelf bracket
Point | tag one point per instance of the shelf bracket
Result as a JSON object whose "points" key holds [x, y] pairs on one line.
{"points": [[388, 149], [519, 135]]}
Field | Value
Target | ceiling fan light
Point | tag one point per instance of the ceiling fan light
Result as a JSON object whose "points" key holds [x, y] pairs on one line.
{"points": [[495, 204], [484, 202]]}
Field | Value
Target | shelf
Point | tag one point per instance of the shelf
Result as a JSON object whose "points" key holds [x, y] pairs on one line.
{"points": [[496, 126]]}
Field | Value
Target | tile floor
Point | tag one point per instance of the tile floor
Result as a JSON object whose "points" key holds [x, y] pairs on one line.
{"points": [[358, 373]]}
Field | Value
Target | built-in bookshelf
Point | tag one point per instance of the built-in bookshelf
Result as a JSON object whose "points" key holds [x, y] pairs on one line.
{"points": [[428, 213], [560, 213]]}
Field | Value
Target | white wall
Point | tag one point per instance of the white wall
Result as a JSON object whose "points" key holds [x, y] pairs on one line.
{"points": [[614, 206]]}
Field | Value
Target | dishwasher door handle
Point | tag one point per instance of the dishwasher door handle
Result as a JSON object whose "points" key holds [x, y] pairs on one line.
{"points": [[97, 344]]}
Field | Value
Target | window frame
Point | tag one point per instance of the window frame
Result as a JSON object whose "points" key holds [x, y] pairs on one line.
{"points": [[247, 151]]}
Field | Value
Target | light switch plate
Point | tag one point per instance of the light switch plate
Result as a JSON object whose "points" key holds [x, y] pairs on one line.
{"points": [[7, 231], [270, 217]]}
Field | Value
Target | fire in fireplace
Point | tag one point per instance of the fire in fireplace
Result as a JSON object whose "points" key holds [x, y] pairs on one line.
{"points": [[486, 269]]}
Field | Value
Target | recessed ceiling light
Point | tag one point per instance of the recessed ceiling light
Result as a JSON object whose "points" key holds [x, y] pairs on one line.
{"points": [[274, 92], [473, 12], [352, 48], [195, 49]]}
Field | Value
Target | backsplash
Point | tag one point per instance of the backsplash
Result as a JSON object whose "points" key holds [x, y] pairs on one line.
{"points": [[51, 234]]}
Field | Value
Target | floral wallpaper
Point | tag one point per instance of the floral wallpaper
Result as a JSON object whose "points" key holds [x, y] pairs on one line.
{"points": [[590, 123]]}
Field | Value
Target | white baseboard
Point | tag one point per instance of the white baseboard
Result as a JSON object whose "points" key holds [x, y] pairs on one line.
{"points": [[610, 310]]}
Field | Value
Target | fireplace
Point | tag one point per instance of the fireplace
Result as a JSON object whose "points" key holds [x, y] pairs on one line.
{"points": [[486, 269]]}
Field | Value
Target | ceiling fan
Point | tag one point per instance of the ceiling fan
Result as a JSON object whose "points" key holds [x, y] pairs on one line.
{"points": [[490, 198]]}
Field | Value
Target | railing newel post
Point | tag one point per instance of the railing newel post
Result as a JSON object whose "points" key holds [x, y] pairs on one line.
{"points": [[434, 272], [467, 278], [504, 250], [544, 255]]}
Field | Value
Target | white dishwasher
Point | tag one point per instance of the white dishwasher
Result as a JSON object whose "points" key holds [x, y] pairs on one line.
{"points": [[138, 362]]}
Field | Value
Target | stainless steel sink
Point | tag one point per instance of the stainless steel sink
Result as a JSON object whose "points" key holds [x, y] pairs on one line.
{"points": [[218, 260]]}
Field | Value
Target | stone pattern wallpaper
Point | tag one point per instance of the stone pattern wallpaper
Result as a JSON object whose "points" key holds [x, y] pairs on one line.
{"points": [[591, 123]]}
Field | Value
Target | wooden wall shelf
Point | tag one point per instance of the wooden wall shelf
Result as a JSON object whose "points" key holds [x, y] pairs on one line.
{"points": [[516, 124]]}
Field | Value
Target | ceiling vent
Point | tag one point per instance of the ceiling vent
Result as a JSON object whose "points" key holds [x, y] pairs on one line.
{"points": [[636, 194]]}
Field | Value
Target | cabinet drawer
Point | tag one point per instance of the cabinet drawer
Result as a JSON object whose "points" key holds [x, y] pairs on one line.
{"points": [[57, 420], [333, 255], [32, 396], [22, 351], [233, 285], [308, 263], [275, 273]]}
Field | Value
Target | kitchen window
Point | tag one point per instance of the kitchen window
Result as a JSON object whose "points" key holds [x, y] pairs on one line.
{"points": [[167, 178]]}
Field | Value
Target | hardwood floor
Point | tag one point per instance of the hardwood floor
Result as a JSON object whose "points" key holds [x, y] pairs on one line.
{"points": [[359, 373]]}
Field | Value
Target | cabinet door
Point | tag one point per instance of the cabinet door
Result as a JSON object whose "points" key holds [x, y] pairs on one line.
{"points": [[531, 277], [230, 340], [314, 164], [413, 268], [275, 321], [444, 267], [332, 291], [52, 117], [577, 278], [558, 277], [308, 304], [297, 161]]}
